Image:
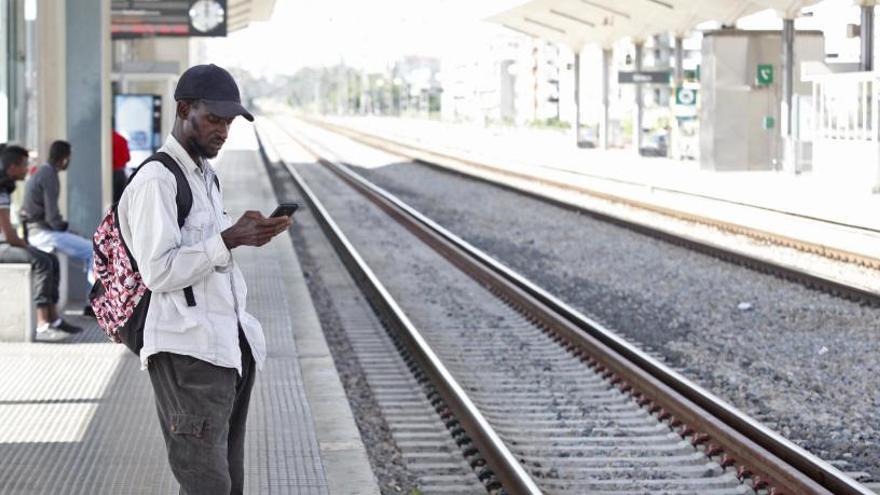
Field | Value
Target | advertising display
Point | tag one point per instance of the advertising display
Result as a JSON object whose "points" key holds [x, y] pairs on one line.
{"points": [[138, 118]]}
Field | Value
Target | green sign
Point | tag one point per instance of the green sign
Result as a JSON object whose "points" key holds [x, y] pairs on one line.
{"points": [[769, 122], [685, 96], [764, 77]]}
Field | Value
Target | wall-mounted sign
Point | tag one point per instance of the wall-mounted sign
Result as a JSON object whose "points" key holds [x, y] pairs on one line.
{"points": [[685, 96], [764, 75], [147, 18], [644, 76]]}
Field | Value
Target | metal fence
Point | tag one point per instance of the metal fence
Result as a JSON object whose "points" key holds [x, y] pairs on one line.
{"points": [[846, 106]]}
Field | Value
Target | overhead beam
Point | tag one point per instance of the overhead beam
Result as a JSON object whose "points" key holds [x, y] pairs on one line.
{"points": [[543, 25], [521, 31], [607, 9], [571, 17], [663, 4]]}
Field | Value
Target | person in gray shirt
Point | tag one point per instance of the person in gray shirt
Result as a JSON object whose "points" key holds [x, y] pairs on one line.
{"points": [[46, 228], [13, 249]]}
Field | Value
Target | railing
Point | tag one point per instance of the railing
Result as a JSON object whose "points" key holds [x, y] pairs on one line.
{"points": [[846, 107]]}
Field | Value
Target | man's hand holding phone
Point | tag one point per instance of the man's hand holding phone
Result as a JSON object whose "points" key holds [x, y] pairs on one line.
{"points": [[253, 229]]}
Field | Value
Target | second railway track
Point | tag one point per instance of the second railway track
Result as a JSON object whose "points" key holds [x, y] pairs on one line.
{"points": [[807, 277], [580, 410]]}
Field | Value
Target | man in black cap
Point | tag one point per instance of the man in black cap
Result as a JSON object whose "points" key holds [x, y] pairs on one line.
{"points": [[201, 346]]}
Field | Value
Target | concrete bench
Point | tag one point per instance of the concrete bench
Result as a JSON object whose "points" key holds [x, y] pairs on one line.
{"points": [[17, 311]]}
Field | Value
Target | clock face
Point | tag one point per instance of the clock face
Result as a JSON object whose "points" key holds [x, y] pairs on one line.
{"points": [[206, 15]]}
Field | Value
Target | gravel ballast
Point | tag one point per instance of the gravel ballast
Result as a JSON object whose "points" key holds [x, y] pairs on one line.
{"points": [[803, 362]]}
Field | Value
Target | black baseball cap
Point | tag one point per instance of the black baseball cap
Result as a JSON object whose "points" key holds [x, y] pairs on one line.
{"points": [[215, 87]]}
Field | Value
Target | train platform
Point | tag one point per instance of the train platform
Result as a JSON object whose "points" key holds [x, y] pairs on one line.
{"points": [[78, 417], [827, 212]]}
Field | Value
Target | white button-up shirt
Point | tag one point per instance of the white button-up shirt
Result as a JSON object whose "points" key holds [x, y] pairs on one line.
{"points": [[170, 259]]}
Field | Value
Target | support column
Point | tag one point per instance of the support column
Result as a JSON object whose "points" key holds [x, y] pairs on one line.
{"points": [[577, 98], [88, 113], [788, 158], [866, 33], [678, 78], [603, 123], [640, 103], [679, 61], [50, 80]]}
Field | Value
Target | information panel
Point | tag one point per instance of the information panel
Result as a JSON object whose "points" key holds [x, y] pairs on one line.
{"points": [[150, 18]]}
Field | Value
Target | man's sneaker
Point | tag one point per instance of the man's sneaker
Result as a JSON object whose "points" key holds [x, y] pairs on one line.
{"points": [[67, 327], [46, 333]]}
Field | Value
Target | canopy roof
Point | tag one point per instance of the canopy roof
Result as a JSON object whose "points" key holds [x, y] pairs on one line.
{"points": [[578, 22], [240, 13]]}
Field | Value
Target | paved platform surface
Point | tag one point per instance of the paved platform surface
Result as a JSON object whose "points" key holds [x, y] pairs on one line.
{"points": [[833, 213], [78, 417]]}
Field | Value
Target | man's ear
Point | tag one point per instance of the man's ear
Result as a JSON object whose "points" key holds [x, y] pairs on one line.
{"points": [[183, 108]]}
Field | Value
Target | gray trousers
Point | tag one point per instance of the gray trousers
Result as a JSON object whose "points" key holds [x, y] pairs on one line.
{"points": [[202, 411]]}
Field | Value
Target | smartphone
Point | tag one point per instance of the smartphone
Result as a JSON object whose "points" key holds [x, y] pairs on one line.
{"points": [[284, 210]]}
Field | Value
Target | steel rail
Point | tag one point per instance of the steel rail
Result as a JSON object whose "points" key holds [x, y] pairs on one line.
{"points": [[761, 453], [810, 279], [498, 457]]}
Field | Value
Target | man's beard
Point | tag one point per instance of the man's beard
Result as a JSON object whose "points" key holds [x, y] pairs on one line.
{"points": [[201, 151]]}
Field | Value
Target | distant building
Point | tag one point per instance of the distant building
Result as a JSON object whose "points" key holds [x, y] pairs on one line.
{"points": [[509, 78]]}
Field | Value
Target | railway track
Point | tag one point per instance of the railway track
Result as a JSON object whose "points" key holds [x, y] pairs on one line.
{"points": [[412, 411], [555, 403], [812, 279]]}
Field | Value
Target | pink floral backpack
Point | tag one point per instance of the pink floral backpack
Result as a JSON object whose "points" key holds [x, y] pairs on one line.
{"points": [[119, 297]]}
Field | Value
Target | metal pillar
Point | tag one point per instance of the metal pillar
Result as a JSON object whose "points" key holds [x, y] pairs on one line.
{"points": [[866, 33], [640, 103], [679, 61], [603, 123], [577, 98], [788, 158], [88, 114]]}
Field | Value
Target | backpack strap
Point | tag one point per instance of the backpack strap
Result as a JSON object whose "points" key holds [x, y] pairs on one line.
{"points": [[183, 199]]}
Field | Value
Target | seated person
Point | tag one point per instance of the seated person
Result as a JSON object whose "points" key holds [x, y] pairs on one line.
{"points": [[13, 167], [46, 228]]}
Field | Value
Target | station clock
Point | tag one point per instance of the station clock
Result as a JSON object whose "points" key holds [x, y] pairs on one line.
{"points": [[206, 15]]}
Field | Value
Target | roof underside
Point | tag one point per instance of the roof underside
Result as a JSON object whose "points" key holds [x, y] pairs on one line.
{"points": [[243, 12], [579, 22]]}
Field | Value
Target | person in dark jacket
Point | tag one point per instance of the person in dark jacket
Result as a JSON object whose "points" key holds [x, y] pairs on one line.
{"points": [[13, 249], [46, 228]]}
